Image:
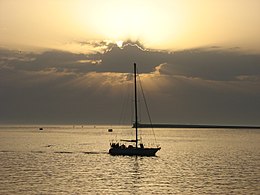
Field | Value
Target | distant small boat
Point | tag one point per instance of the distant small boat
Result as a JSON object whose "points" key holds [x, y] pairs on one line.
{"points": [[110, 130], [40, 128]]}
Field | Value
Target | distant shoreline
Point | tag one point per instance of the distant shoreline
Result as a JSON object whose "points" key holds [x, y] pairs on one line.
{"points": [[196, 126]]}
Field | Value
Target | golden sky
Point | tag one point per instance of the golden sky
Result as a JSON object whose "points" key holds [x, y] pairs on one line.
{"points": [[71, 60], [160, 24]]}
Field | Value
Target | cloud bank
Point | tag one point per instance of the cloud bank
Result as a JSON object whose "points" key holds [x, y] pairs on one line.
{"points": [[202, 86]]}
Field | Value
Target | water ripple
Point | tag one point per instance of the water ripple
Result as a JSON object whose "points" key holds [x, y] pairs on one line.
{"points": [[221, 163]]}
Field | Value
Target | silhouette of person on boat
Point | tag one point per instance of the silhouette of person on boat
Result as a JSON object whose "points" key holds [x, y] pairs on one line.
{"points": [[122, 146]]}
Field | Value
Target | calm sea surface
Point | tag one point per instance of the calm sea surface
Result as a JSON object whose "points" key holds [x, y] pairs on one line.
{"points": [[67, 160]]}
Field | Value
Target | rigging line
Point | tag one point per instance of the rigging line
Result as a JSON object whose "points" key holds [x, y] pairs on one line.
{"points": [[132, 102], [124, 109], [146, 106], [138, 100], [139, 108]]}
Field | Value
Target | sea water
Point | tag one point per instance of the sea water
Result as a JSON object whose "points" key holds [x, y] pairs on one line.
{"points": [[75, 160]]}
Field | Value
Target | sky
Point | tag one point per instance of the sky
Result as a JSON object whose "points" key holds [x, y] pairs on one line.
{"points": [[70, 62]]}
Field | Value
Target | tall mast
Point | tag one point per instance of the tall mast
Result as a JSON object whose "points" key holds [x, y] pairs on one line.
{"points": [[136, 117]]}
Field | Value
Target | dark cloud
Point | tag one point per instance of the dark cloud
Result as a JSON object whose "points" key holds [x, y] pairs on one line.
{"points": [[212, 64], [206, 85]]}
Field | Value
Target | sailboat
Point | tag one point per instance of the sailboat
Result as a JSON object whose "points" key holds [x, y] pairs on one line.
{"points": [[138, 149]]}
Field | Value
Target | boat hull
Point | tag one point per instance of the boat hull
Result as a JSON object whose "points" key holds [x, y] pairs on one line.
{"points": [[134, 151]]}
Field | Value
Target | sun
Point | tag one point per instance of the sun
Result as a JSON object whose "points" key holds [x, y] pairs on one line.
{"points": [[129, 20], [120, 43]]}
